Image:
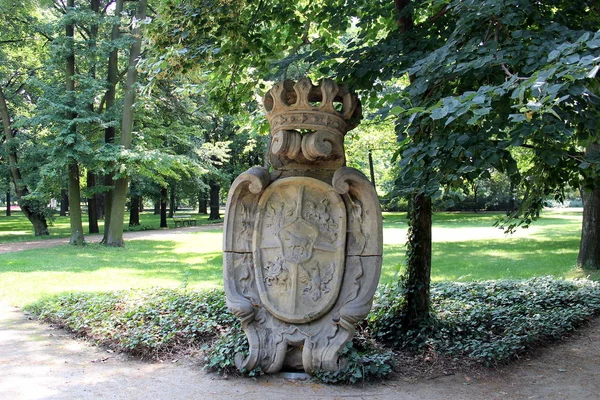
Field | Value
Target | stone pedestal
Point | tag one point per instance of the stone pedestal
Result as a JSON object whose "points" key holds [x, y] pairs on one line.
{"points": [[302, 243]]}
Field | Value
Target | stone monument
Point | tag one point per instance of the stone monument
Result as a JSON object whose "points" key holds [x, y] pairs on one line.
{"points": [[302, 243]]}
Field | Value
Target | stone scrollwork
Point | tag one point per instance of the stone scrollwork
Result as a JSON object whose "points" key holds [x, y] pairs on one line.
{"points": [[302, 255]]}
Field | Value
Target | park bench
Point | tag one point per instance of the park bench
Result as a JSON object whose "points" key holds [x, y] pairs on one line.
{"points": [[184, 220]]}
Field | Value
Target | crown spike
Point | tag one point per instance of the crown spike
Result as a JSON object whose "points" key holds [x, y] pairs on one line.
{"points": [[329, 90], [302, 89]]}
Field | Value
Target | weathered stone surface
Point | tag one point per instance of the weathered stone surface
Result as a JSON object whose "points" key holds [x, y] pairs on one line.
{"points": [[303, 243]]}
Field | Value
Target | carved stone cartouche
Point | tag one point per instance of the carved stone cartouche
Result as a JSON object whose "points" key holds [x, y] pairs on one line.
{"points": [[303, 244]]}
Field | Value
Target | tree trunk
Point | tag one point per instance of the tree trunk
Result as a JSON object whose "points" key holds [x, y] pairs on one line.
{"points": [[99, 205], [64, 203], [108, 182], [589, 247], [75, 218], [163, 207], [109, 133], [172, 201], [418, 275], [8, 213], [114, 236], [37, 219], [202, 203], [214, 200], [134, 211], [33, 212], [92, 204], [475, 190], [119, 198]]}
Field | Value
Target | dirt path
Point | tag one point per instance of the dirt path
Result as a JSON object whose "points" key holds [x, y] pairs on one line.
{"points": [[40, 362]]}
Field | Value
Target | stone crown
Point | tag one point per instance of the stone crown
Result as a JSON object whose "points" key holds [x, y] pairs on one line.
{"points": [[330, 107]]}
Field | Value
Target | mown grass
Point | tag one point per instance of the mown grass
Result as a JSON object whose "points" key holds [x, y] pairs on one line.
{"points": [[466, 248], [17, 227]]}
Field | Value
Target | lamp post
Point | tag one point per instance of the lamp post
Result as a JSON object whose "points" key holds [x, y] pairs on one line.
{"points": [[371, 166]]}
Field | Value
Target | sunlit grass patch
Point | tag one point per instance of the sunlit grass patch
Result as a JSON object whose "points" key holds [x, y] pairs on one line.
{"points": [[466, 248]]}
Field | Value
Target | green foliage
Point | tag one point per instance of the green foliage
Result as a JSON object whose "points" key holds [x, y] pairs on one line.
{"points": [[484, 322], [471, 84], [220, 356], [367, 364], [489, 322], [148, 323]]}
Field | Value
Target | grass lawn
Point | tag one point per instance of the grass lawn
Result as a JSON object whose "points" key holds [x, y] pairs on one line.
{"points": [[466, 248], [17, 227]]}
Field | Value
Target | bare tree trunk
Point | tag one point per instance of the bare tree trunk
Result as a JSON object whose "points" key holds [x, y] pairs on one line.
{"points": [[172, 201], [134, 211], [92, 204], [8, 213], [418, 263], [589, 247], [75, 217], [214, 200], [202, 203], [115, 231], [100, 205], [33, 211], [64, 203], [163, 207], [475, 190]]}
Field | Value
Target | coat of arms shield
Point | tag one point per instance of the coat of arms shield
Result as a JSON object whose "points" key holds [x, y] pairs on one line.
{"points": [[298, 244]]}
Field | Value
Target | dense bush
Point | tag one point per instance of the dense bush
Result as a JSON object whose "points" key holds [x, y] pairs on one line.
{"points": [[485, 322], [489, 322]]}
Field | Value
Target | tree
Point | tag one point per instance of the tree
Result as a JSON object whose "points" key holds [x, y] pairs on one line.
{"points": [[75, 217], [114, 236], [20, 47]]}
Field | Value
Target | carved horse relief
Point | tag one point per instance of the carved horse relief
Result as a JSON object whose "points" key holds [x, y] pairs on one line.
{"points": [[302, 244]]}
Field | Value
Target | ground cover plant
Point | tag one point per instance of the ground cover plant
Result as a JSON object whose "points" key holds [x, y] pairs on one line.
{"points": [[479, 322], [488, 322]]}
